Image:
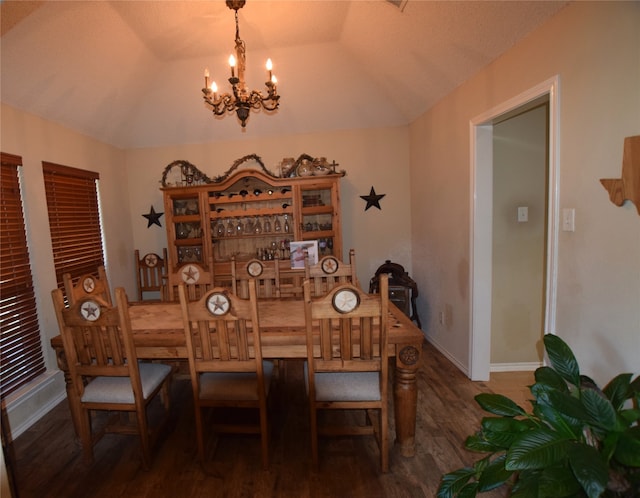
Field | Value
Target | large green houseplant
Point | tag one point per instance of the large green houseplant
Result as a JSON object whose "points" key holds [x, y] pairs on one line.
{"points": [[578, 441]]}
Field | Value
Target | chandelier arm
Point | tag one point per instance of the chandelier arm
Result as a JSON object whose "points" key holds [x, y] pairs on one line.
{"points": [[241, 100]]}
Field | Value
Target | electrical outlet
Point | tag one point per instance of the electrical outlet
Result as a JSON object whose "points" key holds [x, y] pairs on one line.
{"points": [[448, 316], [568, 220]]}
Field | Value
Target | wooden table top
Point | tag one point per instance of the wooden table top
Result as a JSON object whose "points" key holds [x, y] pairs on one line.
{"points": [[159, 333]]}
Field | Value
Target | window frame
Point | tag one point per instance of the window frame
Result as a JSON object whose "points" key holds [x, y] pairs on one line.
{"points": [[73, 206], [21, 352]]}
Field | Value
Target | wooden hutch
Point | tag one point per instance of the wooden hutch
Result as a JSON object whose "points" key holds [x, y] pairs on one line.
{"points": [[251, 213]]}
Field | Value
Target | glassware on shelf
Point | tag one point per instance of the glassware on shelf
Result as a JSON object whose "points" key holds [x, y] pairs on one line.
{"points": [[257, 226], [239, 227], [277, 226], [287, 228], [322, 245], [220, 229], [267, 224], [231, 229], [182, 231], [248, 226]]}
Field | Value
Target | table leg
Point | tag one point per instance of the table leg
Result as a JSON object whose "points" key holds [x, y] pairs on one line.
{"points": [[72, 396], [405, 397]]}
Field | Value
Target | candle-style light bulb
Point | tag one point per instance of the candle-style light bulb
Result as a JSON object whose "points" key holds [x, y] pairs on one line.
{"points": [[214, 88], [206, 77], [274, 80], [269, 67], [232, 63]]}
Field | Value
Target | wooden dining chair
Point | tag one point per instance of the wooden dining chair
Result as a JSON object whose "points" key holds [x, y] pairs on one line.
{"points": [[347, 366], [197, 278], [88, 285], [329, 272], [151, 274], [225, 360], [265, 273], [105, 372]]}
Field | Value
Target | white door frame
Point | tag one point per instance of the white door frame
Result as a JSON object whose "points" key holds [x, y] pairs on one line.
{"points": [[481, 148]]}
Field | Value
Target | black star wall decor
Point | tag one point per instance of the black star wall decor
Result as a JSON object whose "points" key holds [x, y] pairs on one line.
{"points": [[372, 199], [153, 218]]}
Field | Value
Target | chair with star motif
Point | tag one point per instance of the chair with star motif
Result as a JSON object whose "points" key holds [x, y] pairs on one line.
{"points": [[347, 367], [107, 380], [151, 272], [329, 272], [197, 278], [223, 339], [87, 285], [265, 273]]}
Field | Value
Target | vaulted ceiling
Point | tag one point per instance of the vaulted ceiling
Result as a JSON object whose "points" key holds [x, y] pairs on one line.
{"points": [[130, 73]]}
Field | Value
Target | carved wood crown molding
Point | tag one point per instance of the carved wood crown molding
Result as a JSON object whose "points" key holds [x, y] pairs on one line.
{"points": [[193, 176]]}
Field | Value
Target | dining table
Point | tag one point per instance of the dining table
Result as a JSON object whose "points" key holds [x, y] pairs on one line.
{"points": [[158, 334]]}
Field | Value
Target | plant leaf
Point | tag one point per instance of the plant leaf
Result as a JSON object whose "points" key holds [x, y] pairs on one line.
{"points": [[609, 444], [627, 450], [559, 480], [630, 416], [568, 406], [453, 482], [477, 442], [590, 470], [562, 358], [547, 376], [537, 449], [502, 431], [468, 491], [567, 427], [617, 390], [526, 485], [494, 475], [600, 411], [498, 405]]}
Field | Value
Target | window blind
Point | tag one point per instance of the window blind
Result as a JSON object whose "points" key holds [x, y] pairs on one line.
{"points": [[74, 220], [21, 358]]}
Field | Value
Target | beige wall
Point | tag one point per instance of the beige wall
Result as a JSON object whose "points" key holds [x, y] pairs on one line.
{"points": [[595, 49], [38, 140], [377, 158], [519, 172]]}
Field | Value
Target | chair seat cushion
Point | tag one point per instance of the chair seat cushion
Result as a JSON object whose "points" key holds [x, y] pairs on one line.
{"points": [[234, 385], [345, 386], [119, 390]]}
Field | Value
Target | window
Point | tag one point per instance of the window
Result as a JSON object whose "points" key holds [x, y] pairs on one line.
{"points": [[21, 358], [74, 219]]}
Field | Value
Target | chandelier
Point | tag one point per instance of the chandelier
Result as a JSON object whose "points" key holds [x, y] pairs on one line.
{"points": [[241, 100]]}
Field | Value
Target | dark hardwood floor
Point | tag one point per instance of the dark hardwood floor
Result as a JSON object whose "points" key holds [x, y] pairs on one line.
{"points": [[49, 460]]}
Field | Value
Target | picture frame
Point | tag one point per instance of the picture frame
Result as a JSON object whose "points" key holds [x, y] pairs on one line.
{"points": [[302, 249]]}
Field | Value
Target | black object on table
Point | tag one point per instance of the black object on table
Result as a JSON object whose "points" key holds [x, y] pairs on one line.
{"points": [[403, 290]]}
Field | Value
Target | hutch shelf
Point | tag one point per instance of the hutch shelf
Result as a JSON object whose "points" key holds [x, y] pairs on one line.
{"points": [[251, 214]]}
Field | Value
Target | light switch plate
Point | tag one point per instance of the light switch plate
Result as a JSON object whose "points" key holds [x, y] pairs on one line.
{"points": [[523, 214]]}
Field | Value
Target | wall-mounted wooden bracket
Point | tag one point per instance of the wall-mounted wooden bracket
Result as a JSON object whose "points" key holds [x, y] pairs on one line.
{"points": [[627, 187]]}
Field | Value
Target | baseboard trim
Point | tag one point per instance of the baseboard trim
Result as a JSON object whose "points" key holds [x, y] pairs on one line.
{"points": [[514, 367], [464, 369], [30, 404]]}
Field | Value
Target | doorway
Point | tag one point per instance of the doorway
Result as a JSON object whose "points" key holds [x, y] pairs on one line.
{"points": [[482, 195]]}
